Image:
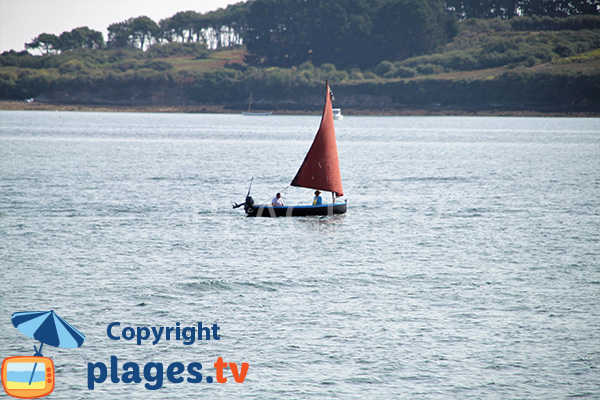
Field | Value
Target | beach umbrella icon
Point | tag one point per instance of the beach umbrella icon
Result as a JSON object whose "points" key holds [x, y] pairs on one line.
{"points": [[48, 328]]}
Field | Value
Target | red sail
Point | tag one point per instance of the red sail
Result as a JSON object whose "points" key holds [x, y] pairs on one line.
{"points": [[321, 167]]}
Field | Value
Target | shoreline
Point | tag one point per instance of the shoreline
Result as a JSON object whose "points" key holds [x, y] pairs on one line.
{"points": [[217, 109]]}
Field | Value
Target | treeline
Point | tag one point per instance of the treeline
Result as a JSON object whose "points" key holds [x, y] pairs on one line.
{"points": [[362, 33], [215, 29], [481, 44], [78, 38], [285, 32], [527, 8], [521, 62], [344, 32], [288, 32]]}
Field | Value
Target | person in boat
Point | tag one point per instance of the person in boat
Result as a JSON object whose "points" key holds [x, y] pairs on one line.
{"points": [[317, 201], [248, 204], [277, 200]]}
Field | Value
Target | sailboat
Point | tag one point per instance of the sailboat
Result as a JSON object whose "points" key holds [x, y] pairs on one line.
{"points": [[254, 113], [320, 170]]}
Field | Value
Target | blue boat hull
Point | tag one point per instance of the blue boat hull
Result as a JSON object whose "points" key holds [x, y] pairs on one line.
{"points": [[296, 211]]}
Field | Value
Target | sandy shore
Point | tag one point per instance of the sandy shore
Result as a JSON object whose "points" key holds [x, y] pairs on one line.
{"points": [[215, 109]]}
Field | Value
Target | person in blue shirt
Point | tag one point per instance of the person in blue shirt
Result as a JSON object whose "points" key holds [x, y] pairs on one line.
{"points": [[317, 201]]}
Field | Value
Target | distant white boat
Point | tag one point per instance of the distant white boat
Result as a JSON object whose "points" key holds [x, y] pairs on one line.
{"points": [[337, 113], [253, 113]]}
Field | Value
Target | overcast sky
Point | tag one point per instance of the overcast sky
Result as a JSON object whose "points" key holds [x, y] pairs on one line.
{"points": [[23, 20]]}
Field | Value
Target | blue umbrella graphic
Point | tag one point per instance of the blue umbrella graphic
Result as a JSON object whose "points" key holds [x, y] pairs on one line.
{"points": [[48, 328]]}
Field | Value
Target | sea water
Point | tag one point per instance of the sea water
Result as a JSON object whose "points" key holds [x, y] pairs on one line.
{"points": [[467, 266]]}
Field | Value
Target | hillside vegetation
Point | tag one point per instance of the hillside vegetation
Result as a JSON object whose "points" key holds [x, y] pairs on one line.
{"points": [[522, 63]]}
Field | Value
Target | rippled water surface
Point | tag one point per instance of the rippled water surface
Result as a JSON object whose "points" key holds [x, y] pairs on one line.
{"points": [[467, 266]]}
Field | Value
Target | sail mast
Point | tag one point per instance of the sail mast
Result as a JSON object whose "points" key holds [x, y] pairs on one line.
{"points": [[321, 166]]}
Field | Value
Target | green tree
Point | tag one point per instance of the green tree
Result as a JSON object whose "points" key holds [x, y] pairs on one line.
{"points": [[119, 34], [69, 41], [234, 21], [46, 42], [267, 30], [135, 32], [79, 38], [182, 25], [220, 28], [93, 39], [143, 31], [406, 28]]}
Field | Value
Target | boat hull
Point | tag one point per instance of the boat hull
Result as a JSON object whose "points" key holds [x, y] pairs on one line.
{"points": [[297, 211]]}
